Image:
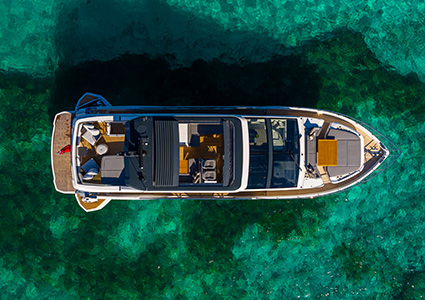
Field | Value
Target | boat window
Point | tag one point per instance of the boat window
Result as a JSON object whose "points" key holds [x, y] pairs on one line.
{"points": [[285, 171], [278, 134], [257, 136], [257, 171], [259, 149], [273, 164], [286, 153]]}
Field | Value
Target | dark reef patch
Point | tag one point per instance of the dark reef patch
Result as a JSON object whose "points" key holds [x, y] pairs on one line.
{"points": [[211, 227]]}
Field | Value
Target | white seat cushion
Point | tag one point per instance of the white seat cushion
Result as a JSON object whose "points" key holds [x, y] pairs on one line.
{"points": [[91, 168], [90, 174], [91, 135], [92, 129]]}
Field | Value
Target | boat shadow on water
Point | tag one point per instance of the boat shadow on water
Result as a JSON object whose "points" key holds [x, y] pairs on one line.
{"points": [[140, 80]]}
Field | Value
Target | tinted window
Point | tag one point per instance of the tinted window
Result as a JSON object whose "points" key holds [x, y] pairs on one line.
{"points": [[258, 148], [284, 153], [279, 133], [257, 136], [257, 171], [285, 171]]}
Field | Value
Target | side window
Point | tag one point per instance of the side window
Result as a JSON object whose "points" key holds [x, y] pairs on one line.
{"points": [[257, 136], [285, 171], [258, 164], [285, 153], [282, 136], [279, 133], [258, 148]]}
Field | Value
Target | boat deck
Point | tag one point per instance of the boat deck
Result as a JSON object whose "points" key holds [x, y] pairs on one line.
{"points": [[89, 206], [61, 164]]}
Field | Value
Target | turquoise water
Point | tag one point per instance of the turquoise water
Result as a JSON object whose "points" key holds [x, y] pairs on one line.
{"points": [[365, 59]]}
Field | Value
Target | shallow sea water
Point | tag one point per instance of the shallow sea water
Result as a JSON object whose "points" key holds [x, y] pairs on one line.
{"points": [[362, 59]]}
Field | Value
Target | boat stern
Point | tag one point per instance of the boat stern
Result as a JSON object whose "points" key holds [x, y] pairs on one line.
{"points": [[61, 153]]}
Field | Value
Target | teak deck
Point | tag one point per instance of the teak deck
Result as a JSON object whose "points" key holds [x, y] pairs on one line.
{"points": [[327, 152], [61, 164]]}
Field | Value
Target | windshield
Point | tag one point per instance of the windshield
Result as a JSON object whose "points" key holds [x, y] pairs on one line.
{"points": [[274, 153]]}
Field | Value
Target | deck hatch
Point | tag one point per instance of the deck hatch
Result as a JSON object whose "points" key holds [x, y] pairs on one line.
{"points": [[166, 153], [327, 153]]}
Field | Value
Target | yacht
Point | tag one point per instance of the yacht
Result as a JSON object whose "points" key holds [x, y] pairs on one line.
{"points": [[102, 152]]}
